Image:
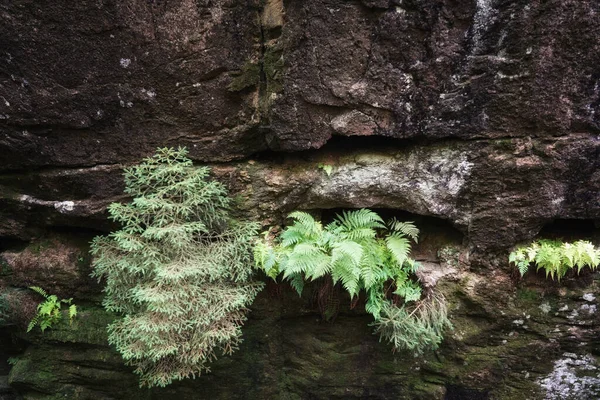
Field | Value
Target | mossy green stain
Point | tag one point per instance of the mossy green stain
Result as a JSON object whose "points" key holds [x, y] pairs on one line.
{"points": [[526, 295], [249, 76], [273, 65]]}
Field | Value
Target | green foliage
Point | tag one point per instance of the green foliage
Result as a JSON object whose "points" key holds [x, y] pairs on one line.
{"points": [[328, 169], [414, 327], [249, 76], [12, 360], [178, 271], [361, 253], [556, 257], [49, 312]]}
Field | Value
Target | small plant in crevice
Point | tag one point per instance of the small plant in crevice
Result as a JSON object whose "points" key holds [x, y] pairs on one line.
{"points": [[12, 360], [555, 257], [49, 312], [327, 168], [178, 271], [360, 252]]}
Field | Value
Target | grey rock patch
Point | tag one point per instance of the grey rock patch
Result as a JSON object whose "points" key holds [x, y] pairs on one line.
{"points": [[573, 377]]}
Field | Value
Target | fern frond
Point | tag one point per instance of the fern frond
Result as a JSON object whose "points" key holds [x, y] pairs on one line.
{"points": [[523, 266], [72, 311], [360, 234], [297, 282], [305, 249], [33, 323], [360, 219], [306, 224], [406, 228], [417, 328], [409, 291], [556, 258], [585, 254], [265, 258], [39, 291], [350, 250], [308, 266], [370, 275], [293, 235], [399, 246], [374, 304]]}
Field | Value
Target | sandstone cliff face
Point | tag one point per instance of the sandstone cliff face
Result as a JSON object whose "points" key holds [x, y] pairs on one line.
{"points": [[479, 116]]}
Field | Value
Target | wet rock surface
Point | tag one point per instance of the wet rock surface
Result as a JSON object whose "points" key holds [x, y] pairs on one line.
{"points": [[479, 117]]}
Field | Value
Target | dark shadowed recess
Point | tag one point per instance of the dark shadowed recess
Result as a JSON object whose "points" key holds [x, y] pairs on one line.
{"points": [[82, 236], [10, 346], [344, 145], [454, 392], [7, 243], [572, 229]]}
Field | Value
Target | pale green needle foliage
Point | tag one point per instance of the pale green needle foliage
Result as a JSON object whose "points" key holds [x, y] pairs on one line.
{"points": [[178, 272], [556, 257], [416, 326], [49, 311], [360, 252]]}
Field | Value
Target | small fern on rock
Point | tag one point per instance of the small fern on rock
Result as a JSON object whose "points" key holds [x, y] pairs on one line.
{"points": [[178, 271], [556, 258], [361, 253], [49, 312]]}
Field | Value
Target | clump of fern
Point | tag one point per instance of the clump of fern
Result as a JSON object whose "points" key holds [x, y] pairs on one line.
{"points": [[49, 312], [362, 253], [178, 271], [556, 258]]}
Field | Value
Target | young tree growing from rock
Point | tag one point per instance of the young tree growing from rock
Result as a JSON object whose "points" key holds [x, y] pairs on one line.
{"points": [[178, 272]]}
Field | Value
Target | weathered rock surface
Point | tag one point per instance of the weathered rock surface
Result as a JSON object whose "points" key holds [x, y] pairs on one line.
{"points": [[497, 192], [437, 69], [105, 82], [482, 116], [58, 263], [79, 82]]}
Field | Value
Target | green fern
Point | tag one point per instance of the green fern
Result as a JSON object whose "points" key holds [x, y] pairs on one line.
{"points": [[406, 228], [178, 271], [49, 312], [39, 291], [358, 250], [556, 258]]}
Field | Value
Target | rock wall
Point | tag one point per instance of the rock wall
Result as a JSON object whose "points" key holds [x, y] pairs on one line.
{"points": [[478, 116]]}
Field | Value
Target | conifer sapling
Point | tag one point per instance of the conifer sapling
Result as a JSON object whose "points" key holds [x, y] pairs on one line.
{"points": [[178, 272]]}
